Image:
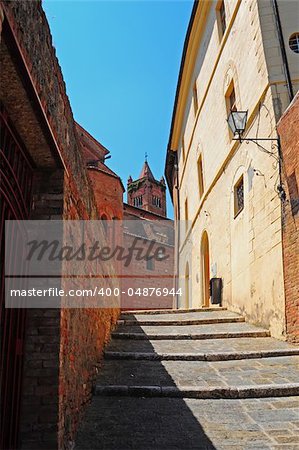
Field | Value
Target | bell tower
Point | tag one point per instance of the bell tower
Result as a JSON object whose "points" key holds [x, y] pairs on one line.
{"points": [[146, 192]]}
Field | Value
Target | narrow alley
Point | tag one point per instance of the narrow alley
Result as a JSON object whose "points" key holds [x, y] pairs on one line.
{"points": [[193, 380], [149, 216]]}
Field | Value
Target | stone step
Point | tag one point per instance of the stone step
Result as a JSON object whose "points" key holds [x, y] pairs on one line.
{"points": [[195, 336], [179, 317], [231, 392], [207, 346], [215, 330], [223, 356], [181, 322], [172, 311], [201, 375]]}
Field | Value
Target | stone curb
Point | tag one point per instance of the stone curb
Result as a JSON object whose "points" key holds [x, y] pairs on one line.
{"points": [[150, 356], [232, 392], [172, 311], [180, 322], [140, 336]]}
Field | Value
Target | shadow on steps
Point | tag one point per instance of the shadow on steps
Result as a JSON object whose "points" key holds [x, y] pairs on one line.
{"points": [[137, 423]]}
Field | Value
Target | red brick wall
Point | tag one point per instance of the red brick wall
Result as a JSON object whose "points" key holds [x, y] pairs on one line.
{"points": [[289, 134], [63, 347], [108, 193], [83, 334]]}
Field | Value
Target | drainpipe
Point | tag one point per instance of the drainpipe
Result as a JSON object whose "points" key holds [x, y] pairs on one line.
{"points": [[283, 50], [177, 187]]}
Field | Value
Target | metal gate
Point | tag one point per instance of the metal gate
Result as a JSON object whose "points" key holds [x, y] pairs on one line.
{"points": [[16, 170]]}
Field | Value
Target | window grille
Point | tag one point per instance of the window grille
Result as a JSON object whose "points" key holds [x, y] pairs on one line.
{"points": [[156, 201], [294, 42], [239, 196], [138, 201], [195, 98], [222, 14], [200, 176]]}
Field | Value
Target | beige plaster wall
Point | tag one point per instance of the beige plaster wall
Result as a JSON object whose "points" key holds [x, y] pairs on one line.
{"points": [[245, 251]]}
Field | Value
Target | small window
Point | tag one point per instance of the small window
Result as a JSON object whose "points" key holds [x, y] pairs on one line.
{"points": [[200, 176], [239, 196], [137, 201], [186, 209], [230, 100], [195, 98], [150, 264], [221, 18], [294, 42], [156, 201], [183, 149]]}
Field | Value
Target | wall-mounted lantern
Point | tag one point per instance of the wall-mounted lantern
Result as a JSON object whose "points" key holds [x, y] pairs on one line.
{"points": [[237, 121]]}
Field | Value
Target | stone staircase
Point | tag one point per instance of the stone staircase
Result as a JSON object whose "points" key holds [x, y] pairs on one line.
{"points": [[200, 350], [208, 355]]}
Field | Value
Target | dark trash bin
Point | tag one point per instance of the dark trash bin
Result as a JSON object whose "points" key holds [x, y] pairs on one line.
{"points": [[216, 291]]}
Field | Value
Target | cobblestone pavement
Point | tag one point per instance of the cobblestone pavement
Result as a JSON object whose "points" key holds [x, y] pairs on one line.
{"points": [[132, 421], [123, 423]]}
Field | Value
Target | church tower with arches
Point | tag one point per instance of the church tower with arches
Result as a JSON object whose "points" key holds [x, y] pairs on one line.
{"points": [[146, 192]]}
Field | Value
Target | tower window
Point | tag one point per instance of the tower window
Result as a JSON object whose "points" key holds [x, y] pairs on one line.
{"points": [[239, 196], [156, 201], [221, 19], [294, 42], [137, 201], [200, 176]]}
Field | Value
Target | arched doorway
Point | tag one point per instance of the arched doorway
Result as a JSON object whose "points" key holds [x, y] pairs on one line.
{"points": [[205, 269], [187, 278]]}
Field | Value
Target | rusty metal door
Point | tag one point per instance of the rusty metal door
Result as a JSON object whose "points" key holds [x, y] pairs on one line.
{"points": [[16, 170]]}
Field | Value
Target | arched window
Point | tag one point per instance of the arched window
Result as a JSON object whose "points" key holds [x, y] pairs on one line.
{"points": [[294, 42], [138, 201], [200, 176], [156, 201], [239, 196]]}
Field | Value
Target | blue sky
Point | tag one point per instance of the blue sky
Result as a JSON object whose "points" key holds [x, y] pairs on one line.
{"points": [[120, 61]]}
